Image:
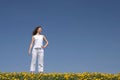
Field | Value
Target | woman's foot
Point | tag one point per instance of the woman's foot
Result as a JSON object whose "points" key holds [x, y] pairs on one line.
{"points": [[32, 72], [40, 72]]}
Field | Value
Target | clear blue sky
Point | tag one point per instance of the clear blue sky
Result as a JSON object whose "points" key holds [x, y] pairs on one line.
{"points": [[83, 35]]}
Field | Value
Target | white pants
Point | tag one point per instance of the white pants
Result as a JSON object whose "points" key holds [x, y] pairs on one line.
{"points": [[37, 52]]}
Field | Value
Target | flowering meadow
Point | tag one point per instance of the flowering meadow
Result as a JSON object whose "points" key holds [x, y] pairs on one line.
{"points": [[58, 76]]}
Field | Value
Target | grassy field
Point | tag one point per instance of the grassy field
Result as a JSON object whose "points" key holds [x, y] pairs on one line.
{"points": [[58, 76]]}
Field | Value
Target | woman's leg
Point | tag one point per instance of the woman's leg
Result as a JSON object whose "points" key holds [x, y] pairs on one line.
{"points": [[33, 61], [41, 60]]}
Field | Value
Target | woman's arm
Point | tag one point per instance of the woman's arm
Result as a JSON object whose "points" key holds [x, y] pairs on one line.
{"points": [[46, 42], [31, 44]]}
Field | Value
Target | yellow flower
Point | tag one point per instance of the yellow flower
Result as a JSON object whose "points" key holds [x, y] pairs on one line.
{"points": [[66, 76]]}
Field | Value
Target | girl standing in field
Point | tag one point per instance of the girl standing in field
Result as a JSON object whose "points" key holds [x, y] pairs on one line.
{"points": [[38, 49]]}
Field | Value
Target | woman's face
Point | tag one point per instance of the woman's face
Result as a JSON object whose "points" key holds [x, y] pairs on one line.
{"points": [[39, 30]]}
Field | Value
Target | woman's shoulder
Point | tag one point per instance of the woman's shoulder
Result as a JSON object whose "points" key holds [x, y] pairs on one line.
{"points": [[42, 35], [33, 35]]}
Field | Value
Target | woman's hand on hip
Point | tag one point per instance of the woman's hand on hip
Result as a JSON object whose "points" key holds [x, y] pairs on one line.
{"points": [[43, 47]]}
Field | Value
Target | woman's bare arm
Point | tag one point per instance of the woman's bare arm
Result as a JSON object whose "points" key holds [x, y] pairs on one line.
{"points": [[46, 42], [31, 44]]}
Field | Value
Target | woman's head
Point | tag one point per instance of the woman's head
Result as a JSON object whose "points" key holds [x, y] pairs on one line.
{"points": [[38, 29]]}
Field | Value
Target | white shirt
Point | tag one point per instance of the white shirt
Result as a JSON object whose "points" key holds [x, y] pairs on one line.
{"points": [[38, 41]]}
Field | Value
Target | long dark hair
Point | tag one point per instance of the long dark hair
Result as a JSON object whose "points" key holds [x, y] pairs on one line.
{"points": [[35, 30]]}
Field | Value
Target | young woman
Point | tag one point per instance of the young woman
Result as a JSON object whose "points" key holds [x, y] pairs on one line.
{"points": [[38, 49]]}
